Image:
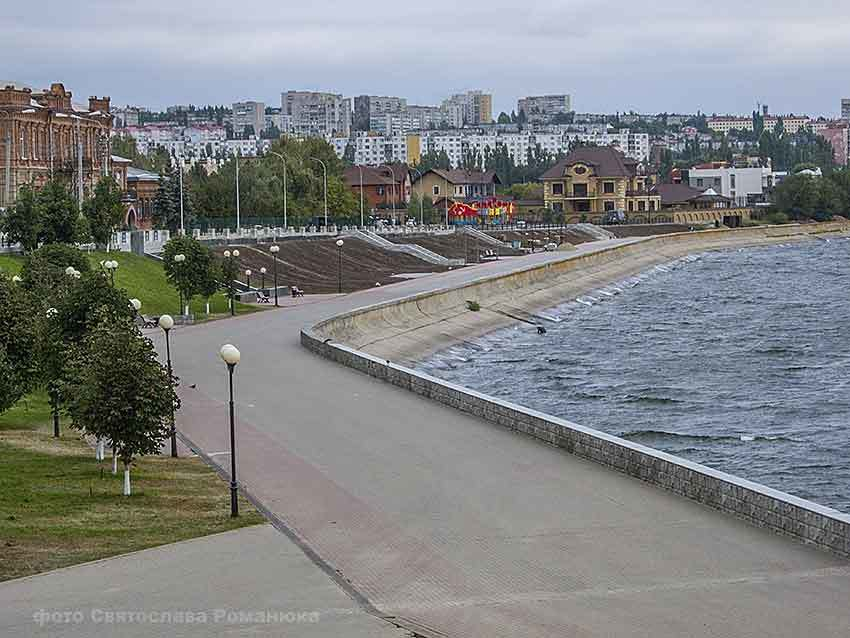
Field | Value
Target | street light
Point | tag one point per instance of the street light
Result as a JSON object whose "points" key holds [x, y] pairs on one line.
{"points": [[52, 390], [360, 169], [166, 322], [325, 169], [274, 251], [110, 266], [392, 188], [339, 244], [248, 279], [230, 355], [283, 159], [227, 255], [263, 278], [421, 197], [179, 258]]}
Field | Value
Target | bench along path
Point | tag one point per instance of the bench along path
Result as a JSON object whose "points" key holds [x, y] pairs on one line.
{"points": [[462, 528]]}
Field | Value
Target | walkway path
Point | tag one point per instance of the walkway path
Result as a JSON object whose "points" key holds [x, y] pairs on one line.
{"points": [[470, 530], [444, 521], [230, 584]]}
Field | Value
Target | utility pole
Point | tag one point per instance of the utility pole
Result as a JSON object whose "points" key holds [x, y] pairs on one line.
{"points": [[79, 168], [238, 220], [182, 227]]}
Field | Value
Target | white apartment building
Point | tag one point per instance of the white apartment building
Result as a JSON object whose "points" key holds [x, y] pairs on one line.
{"points": [[724, 124], [248, 114], [543, 108], [316, 114], [372, 150], [742, 185]]}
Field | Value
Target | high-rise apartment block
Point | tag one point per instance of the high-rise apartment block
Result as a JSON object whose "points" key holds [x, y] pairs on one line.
{"points": [[470, 108], [367, 107], [845, 108], [250, 116], [317, 114], [543, 109]]}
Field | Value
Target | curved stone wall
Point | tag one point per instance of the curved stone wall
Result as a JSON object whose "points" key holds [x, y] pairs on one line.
{"points": [[340, 338]]}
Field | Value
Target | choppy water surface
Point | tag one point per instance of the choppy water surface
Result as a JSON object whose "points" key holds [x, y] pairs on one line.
{"points": [[736, 359]]}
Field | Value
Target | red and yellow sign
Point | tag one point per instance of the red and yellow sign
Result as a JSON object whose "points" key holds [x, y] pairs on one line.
{"points": [[490, 211]]}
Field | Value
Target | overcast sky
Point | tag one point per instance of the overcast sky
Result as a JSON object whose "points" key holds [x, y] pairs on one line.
{"points": [[721, 56]]}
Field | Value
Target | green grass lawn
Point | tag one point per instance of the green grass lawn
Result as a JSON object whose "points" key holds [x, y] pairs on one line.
{"points": [[59, 507], [10, 264], [144, 279]]}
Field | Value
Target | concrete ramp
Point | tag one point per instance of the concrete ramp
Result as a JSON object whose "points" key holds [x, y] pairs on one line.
{"points": [[595, 231], [484, 237], [411, 249]]}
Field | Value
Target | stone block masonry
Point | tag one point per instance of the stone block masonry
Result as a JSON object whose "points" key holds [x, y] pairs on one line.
{"points": [[785, 514]]}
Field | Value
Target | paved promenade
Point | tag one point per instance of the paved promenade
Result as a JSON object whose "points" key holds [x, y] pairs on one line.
{"points": [[471, 530], [462, 528], [227, 584]]}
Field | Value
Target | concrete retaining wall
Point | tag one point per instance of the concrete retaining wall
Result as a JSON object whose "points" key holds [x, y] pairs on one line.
{"points": [[782, 513]]}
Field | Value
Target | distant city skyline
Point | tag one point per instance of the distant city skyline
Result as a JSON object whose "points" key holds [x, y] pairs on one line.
{"points": [[672, 56]]}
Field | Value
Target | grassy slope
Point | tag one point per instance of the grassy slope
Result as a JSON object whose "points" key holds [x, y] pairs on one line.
{"points": [[59, 507], [10, 264], [144, 279]]}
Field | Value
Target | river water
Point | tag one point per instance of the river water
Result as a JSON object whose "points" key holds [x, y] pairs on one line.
{"points": [[734, 359]]}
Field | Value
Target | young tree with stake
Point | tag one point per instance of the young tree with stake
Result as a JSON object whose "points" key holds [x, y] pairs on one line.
{"points": [[116, 389]]}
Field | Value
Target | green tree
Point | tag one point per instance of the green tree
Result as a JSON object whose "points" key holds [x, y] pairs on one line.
{"points": [[104, 211], [798, 196], [116, 389], [22, 222], [58, 213], [504, 118], [18, 339], [166, 212], [43, 272], [191, 276]]}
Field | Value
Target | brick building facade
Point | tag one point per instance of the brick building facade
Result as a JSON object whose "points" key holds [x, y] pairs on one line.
{"points": [[44, 135]]}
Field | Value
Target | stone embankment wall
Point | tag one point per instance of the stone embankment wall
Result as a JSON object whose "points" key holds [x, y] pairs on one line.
{"points": [[782, 513]]}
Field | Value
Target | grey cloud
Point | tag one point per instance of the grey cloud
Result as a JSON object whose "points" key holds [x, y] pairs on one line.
{"points": [[665, 55]]}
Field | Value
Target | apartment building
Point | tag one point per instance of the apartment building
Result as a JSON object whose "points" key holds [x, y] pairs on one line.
{"points": [[542, 109], [725, 124], [470, 108], [367, 107], [845, 109], [315, 114], [372, 150], [250, 116]]}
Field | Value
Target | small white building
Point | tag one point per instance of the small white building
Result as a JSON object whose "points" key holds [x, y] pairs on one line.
{"points": [[742, 185]]}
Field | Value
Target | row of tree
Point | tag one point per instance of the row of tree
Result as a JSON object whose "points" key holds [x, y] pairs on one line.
{"points": [[261, 179], [66, 329], [51, 215], [803, 196]]}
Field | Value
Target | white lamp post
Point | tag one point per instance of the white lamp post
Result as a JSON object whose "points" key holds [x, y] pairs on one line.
{"points": [[230, 355], [339, 244], [179, 259], [166, 322], [274, 250]]}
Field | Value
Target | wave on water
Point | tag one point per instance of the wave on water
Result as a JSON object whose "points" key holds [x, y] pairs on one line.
{"points": [[642, 398], [659, 435]]}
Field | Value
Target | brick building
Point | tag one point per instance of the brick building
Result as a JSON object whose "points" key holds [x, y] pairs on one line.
{"points": [[44, 135]]}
